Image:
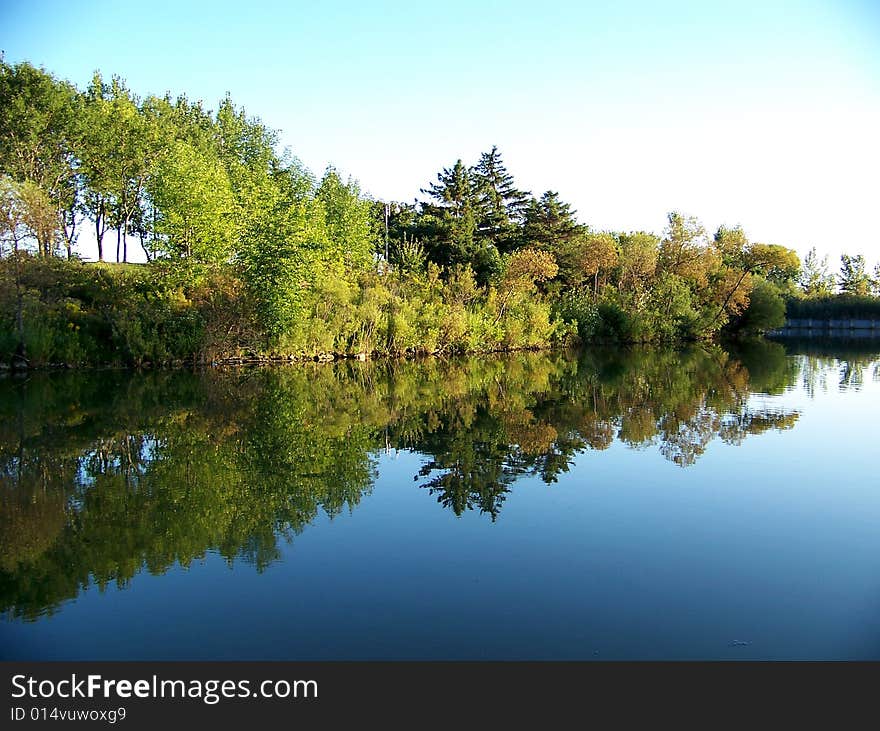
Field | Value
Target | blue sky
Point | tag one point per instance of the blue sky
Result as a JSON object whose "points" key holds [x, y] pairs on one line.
{"points": [[759, 113]]}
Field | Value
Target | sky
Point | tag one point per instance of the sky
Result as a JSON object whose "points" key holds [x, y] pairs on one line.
{"points": [[764, 114]]}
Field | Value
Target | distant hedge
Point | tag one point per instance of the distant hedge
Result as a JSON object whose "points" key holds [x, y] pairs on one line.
{"points": [[834, 307]]}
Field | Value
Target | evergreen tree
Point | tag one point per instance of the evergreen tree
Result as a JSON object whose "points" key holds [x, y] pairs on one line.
{"points": [[501, 205], [449, 222], [549, 222], [853, 278]]}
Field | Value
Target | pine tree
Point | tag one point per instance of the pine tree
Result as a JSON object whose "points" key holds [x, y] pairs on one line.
{"points": [[548, 222], [853, 278], [453, 191], [501, 205], [449, 222]]}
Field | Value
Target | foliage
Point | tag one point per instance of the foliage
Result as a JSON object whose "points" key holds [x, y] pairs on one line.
{"points": [[814, 279], [853, 278], [195, 206], [834, 307], [305, 266], [765, 311]]}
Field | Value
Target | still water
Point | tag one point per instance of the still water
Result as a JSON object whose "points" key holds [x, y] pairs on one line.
{"points": [[612, 504]]}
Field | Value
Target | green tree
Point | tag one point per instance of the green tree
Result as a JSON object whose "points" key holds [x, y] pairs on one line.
{"points": [[13, 215], [449, 219], [195, 206], [95, 160], [40, 138], [408, 255], [247, 149], [815, 280], [350, 225], [637, 260], [853, 278], [132, 152], [765, 311], [41, 217], [549, 222], [500, 204], [586, 257], [280, 257]]}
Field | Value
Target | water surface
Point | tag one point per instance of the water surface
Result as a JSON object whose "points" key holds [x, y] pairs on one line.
{"points": [[614, 504]]}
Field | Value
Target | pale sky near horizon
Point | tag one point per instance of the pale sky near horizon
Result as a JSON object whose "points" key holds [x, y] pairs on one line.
{"points": [[764, 114]]}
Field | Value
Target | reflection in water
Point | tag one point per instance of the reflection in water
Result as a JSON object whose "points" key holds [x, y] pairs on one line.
{"points": [[107, 474]]}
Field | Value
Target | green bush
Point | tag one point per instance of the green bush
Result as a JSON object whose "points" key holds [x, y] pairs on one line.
{"points": [[765, 311], [833, 307]]}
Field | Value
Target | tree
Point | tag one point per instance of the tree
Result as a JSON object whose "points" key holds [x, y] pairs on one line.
{"points": [[95, 166], [27, 212], [194, 205], [449, 220], [765, 310], [684, 249], [777, 264], [349, 221], [588, 255], [40, 138], [529, 266], [279, 264], [40, 217], [13, 228], [131, 151], [408, 255], [853, 278], [523, 269], [283, 251], [637, 260], [549, 222], [247, 150], [500, 204], [741, 260], [815, 280]]}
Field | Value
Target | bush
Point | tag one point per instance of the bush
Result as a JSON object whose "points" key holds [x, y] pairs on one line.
{"points": [[765, 311], [576, 306], [833, 307]]}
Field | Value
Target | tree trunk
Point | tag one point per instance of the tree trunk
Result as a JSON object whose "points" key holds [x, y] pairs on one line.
{"points": [[125, 239], [144, 247], [729, 296], [99, 234], [69, 230], [20, 350]]}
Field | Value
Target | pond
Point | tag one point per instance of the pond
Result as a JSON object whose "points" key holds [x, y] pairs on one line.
{"points": [[640, 503]]}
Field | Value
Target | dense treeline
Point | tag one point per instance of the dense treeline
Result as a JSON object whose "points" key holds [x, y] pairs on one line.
{"points": [[104, 476], [250, 254]]}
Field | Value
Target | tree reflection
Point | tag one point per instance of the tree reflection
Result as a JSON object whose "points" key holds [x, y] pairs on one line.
{"points": [[105, 475]]}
